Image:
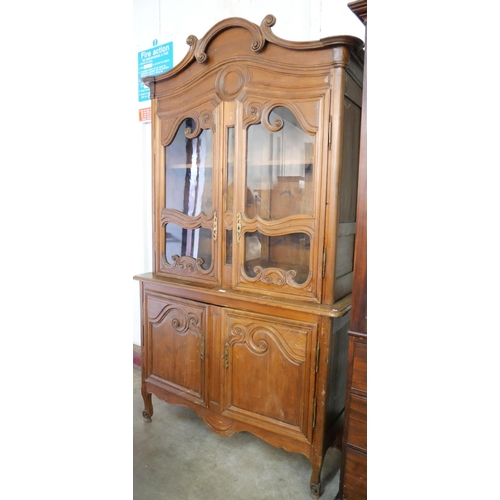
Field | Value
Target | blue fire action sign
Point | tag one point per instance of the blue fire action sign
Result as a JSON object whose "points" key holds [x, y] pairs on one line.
{"points": [[152, 62]]}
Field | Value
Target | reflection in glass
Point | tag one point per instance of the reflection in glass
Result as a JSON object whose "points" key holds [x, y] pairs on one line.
{"points": [[279, 170], [229, 247], [188, 172], [230, 167], [230, 193], [194, 243], [287, 252]]}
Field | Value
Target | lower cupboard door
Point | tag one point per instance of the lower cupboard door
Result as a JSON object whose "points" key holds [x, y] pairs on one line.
{"points": [[175, 346], [269, 372]]}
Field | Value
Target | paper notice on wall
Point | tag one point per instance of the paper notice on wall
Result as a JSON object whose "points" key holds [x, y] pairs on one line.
{"points": [[153, 61], [145, 115]]}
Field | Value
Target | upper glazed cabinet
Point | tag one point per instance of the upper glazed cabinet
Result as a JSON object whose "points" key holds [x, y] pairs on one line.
{"points": [[254, 146]]}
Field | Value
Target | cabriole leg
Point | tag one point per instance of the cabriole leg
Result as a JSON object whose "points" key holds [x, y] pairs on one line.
{"points": [[315, 490], [148, 404], [315, 478]]}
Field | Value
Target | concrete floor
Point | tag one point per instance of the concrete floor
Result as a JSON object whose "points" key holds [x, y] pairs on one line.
{"points": [[177, 458]]}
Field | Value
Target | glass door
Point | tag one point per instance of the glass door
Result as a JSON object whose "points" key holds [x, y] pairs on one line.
{"points": [[189, 217], [275, 222]]}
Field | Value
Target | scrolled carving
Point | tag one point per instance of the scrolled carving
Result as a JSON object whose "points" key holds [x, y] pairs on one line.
{"points": [[207, 120], [201, 120], [256, 338], [187, 263], [278, 123], [237, 334], [259, 346], [190, 133], [191, 40], [253, 112], [269, 21], [182, 322], [271, 276], [257, 43], [201, 57], [185, 323], [276, 276]]}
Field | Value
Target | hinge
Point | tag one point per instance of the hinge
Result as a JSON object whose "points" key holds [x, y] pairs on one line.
{"points": [[317, 357], [324, 262], [330, 132], [314, 413]]}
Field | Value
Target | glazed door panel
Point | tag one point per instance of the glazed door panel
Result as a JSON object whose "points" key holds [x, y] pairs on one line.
{"points": [[175, 356], [188, 204], [281, 188], [267, 372]]}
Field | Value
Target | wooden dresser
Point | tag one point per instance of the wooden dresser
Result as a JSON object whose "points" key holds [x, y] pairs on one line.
{"points": [[245, 314], [353, 477]]}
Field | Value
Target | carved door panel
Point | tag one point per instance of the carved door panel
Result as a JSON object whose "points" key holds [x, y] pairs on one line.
{"points": [[175, 356], [269, 372], [281, 190]]}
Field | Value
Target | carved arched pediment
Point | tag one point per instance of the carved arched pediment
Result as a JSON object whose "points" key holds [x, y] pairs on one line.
{"points": [[260, 35], [232, 22]]}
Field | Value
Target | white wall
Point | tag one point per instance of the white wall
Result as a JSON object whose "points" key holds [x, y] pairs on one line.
{"points": [[166, 21], [296, 19]]}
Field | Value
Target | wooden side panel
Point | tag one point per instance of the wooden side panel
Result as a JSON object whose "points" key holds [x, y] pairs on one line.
{"points": [[345, 253], [350, 155], [355, 482], [337, 366], [356, 434], [359, 373], [353, 476], [359, 290], [348, 185]]}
